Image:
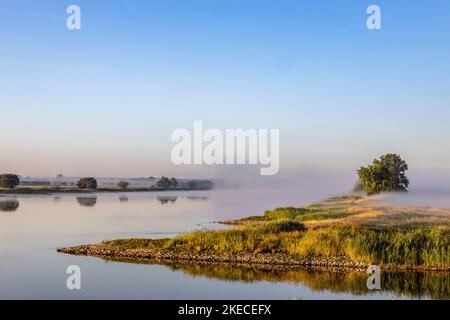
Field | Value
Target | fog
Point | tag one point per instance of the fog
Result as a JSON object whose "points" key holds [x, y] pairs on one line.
{"points": [[428, 187]]}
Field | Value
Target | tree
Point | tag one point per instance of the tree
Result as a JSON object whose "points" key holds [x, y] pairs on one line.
{"points": [[87, 183], [192, 185], [384, 174], [9, 181], [173, 183], [163, 183], [123, 184]]}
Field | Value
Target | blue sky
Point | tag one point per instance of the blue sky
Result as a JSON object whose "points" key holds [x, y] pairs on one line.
{"points": [[104, 100]]}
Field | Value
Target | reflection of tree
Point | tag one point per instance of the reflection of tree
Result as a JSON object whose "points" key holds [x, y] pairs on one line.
{"points": [[87, 201], [123, 198], [167, 199], [9, 205], [414, 284]]}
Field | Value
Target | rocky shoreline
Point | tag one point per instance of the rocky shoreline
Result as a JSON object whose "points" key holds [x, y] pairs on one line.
{"points": [[268, 261], [279, 260]]}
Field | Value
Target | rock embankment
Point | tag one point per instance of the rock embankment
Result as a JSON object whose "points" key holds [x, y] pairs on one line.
{"points": [[110, 252]]}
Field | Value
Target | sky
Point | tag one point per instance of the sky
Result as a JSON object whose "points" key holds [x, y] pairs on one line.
{"points": [[105, 99]]}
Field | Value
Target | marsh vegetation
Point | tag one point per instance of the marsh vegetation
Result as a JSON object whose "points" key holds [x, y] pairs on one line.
{"points": [[338, 230]]}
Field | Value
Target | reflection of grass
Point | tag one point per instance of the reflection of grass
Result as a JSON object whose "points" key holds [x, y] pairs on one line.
{"points": [[416, 284], [435, 285]]}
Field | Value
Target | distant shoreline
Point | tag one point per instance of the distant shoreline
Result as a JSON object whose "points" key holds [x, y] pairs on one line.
{"points": [[64, 190]]}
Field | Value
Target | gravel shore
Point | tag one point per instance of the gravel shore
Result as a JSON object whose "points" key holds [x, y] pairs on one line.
{"points": [[268, 260], [102, 251]]}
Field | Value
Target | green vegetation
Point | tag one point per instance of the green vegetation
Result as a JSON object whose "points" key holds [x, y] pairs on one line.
{"points": [[166, 183], [412, 248], [352, 227], [173, 182], [9, 181], [384, 174], [87, 183], [123, 184]]}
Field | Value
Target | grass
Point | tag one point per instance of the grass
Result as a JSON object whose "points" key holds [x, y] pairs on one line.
{"points": [[410, 247], [351, 227]]}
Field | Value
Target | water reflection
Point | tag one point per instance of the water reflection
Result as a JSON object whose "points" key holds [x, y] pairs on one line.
{"points": [[10, 205], [167, 199], [197, 198], [123, 198], [87, 201], [412, 284]]}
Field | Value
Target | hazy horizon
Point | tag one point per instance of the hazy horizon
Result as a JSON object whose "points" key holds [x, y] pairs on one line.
{"points": [[104, 100]]}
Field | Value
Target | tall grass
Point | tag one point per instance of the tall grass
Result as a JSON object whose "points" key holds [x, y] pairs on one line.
{"points": [[408, 247], [395, 239]]}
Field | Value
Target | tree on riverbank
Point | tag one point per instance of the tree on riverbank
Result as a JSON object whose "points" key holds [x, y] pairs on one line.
{"points": [[384, 174], [163, 183], [173, 183], [87, 183], [9, 181], [123, 184]]}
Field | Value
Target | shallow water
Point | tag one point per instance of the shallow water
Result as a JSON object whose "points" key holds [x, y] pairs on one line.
{"points": [[32, 227]]}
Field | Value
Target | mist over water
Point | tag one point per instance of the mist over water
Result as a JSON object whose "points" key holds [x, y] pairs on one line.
{"points": [[33, 227], [429, 188]]}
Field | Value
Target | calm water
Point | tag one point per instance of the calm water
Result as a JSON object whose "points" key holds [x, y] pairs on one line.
{"points": [[32, 227]]}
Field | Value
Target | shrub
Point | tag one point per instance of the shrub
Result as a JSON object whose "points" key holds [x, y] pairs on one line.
{"points": [[9, 181], [164, 183], [123, 184], [87, 183]]}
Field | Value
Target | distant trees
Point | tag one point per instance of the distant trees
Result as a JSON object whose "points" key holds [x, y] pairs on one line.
{"points": [[166, 183], [163, 183], [384, 174], [200, 185], [87, 183], [192, 185], [173, 183], [9, 181], [123, 184]]}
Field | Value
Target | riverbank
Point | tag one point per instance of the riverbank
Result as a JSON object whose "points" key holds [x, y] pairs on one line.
{"points": [[68, 190], [344, 232], [155, 250]]}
